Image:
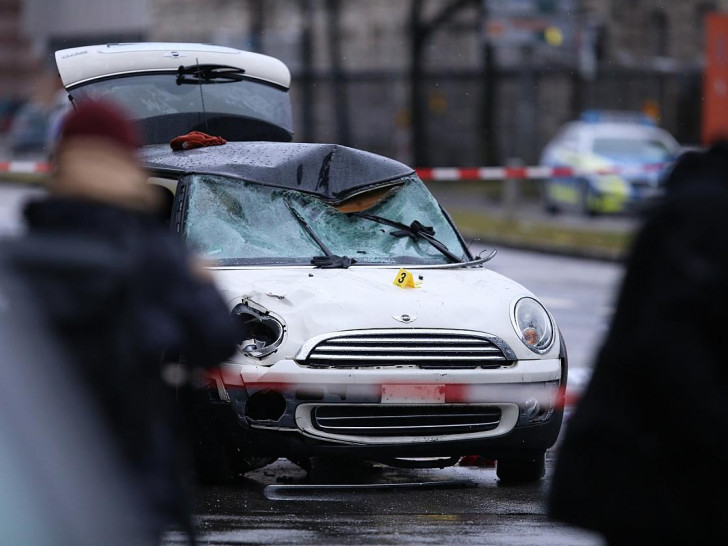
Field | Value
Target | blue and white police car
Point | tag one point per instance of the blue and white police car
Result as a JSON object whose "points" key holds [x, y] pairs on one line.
{"points": [[615, 162]]}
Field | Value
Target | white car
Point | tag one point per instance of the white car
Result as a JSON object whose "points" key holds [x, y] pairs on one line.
{"points": [[367, 329], [620, 159]]}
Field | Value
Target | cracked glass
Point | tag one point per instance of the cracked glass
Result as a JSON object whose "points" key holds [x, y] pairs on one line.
{"points": [[237, 222]]}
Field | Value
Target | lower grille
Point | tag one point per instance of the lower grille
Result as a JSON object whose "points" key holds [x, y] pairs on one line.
{"points": [[386, 420]]}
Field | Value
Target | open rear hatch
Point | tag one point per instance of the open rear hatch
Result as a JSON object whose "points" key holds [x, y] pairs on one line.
{"points": [[174, 88]]}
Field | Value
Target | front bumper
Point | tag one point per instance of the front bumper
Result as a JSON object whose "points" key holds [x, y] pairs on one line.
{"points": [[276, 410]]}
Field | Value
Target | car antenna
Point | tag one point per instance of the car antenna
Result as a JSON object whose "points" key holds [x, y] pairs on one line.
{"points": [[202, 95]]}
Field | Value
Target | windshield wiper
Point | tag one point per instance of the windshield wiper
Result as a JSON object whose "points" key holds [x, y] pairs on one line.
{"points": [[330, 260], [415, 231], [209, 73]]}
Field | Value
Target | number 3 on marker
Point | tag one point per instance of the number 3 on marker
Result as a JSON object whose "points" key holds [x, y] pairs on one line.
{"points": [[404, 279]]}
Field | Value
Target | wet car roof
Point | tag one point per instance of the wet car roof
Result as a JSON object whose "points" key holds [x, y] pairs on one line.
{"points": [[331, 171]]}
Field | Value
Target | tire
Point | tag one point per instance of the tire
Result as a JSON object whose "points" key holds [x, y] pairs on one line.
{"points": [[212, 464], [549, 207], [584, 206], [521, 470], [219, 462]]}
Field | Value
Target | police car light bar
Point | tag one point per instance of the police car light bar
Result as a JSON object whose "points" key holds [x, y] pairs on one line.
{"points": [[618, 116]]}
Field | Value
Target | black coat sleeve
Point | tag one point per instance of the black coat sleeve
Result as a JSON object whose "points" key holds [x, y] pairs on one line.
{"points": [[188, 315]]}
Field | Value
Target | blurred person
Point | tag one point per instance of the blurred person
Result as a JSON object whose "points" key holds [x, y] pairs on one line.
{"points": [[9, 105], [136, 313], [31, 131], [644, 459], [63, 481], [28, 129]]}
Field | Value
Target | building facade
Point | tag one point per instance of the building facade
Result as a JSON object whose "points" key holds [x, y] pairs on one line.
{"points": [[352, 63]]}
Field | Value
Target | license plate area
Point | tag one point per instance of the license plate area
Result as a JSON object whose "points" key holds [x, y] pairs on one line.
{"points": [[413, 394]]}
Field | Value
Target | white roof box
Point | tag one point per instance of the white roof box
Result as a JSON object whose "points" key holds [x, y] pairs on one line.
{"points": [[80, 65]]}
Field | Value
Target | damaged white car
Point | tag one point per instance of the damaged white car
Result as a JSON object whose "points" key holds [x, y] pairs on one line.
{"points": [[368, 330]]}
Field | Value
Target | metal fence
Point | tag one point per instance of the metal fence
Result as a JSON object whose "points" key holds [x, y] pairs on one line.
{"points": [[378, 110]]}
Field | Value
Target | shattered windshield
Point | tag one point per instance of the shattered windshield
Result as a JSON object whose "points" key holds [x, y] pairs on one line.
{"points": [[166, 108], [235, 222]]}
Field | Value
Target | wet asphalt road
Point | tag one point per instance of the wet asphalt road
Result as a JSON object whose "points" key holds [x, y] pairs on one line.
{"points": [[580, 295], [484, 512]]}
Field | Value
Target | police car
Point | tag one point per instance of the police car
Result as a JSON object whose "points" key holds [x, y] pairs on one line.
{"points": [[367, 328], [617, 162]]}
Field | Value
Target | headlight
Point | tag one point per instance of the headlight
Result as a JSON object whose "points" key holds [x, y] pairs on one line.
{"points": [[533, 325], [260, 333]]}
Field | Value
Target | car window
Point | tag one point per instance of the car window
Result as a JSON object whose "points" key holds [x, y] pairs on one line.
{"points": [[232, 221], [632, 149], [157, 100]]}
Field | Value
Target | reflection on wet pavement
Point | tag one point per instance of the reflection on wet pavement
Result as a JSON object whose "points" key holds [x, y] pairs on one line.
{"points": [[483, 512]]}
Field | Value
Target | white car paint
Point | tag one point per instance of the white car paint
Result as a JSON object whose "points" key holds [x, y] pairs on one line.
{"points": [[83, 64], [318, 301]]}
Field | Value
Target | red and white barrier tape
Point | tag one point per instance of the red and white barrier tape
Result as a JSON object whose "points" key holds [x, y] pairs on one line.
{"points": [[530, 173], [24, 167], [436, 173]]}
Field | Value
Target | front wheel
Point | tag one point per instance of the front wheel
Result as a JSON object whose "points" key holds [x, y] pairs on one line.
{"points": [[547, 202], [521, 470], [585, 199], [219, 462]]}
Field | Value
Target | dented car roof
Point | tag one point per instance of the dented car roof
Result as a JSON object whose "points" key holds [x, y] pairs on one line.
{"points": [[330, 171]]}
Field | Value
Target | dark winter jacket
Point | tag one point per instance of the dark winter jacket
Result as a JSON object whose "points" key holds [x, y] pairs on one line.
{"points": [[645, 455], [117, 288]]}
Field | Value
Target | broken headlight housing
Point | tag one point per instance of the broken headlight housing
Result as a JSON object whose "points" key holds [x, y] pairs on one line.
{"points": [[259, 332], [533, 325]]}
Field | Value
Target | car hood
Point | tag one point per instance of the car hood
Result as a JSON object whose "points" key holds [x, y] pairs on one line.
{"points": [[313, 302]]}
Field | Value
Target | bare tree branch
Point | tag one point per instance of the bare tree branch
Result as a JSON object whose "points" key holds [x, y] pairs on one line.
{"points": [[420, 31], [446, 13]]}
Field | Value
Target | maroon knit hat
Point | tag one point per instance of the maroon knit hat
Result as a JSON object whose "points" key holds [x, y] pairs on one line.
{"points": [[103, 119]]}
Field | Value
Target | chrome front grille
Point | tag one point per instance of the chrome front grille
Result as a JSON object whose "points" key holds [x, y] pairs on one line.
{"points": [[387, 420], [427, 349]]}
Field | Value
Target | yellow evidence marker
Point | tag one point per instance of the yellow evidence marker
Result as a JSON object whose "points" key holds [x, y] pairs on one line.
{"points": [[405, 279]]}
